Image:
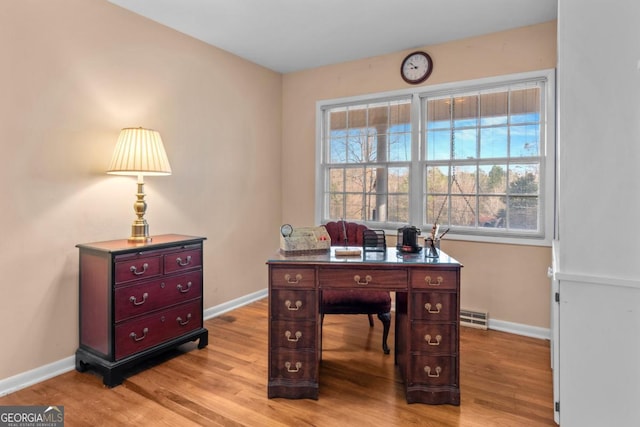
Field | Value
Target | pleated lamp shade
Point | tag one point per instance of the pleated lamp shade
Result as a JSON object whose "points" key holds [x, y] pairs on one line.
{"points": [[139, 152]]}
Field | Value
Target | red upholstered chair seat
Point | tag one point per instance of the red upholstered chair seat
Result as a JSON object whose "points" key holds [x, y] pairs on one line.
{"points": [[365, 301]]}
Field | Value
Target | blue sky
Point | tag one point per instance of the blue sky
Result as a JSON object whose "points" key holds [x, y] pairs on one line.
{"points": [[521, 138]]}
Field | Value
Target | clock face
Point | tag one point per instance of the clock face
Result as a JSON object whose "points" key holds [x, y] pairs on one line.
{"points": [[286, 230], [416, 67]]}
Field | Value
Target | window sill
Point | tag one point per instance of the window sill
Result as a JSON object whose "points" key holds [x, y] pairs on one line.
{"points": [[505, 240]]}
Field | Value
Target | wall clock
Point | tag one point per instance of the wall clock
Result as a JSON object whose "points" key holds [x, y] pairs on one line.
{"points": [[416, 67]]}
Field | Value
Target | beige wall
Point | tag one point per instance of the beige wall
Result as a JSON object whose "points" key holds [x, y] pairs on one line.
{"points": [[74, 72], [508, 281]]}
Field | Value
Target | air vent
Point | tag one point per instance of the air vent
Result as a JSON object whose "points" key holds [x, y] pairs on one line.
{"points": [[474, 319]]}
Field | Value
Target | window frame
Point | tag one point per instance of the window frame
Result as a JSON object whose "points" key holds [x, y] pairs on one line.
{"points": [[417, 163]]}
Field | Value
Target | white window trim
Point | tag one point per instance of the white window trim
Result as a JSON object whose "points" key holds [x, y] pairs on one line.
{"points": [[549, 147]]}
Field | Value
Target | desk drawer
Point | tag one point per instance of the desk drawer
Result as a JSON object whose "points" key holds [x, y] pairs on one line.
{"points": [[434, 338], [363, 278], [293, 304], [144, 297], [300, 335], [289, 277], [146, 331], [434, 371], [433, 306], [434, 279], [293, 365]]}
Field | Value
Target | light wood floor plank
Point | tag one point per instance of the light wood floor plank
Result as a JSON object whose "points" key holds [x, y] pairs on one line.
{"points": [[505, 381]]}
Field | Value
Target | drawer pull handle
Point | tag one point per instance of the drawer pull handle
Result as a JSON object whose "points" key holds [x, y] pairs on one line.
{"points": [[135, 271], [181, 322], [287, 277], [287, 303], [290, 369], [184, 290], [427, 369], [427, 338], [184, 263], [134, 336], [427, 306], [367, 279], [438, 282], [134, 300], [288, 334]]}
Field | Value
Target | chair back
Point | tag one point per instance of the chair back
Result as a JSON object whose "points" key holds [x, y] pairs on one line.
{"points": [[354, 233]]}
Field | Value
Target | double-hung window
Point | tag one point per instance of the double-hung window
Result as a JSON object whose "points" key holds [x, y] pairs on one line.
{"points": [[475, 157], [368, 160]]}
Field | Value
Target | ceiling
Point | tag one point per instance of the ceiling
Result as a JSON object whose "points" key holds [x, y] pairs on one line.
{"points": [[293, 35]]}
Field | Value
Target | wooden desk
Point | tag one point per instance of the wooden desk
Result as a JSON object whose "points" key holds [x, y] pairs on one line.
{"points": [[426, 322]]}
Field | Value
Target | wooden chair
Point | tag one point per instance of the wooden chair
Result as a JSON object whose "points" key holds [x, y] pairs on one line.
{"points": [[356, 301]]}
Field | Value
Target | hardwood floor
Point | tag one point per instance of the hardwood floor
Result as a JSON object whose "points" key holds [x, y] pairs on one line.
{"points": [[505, 381]]}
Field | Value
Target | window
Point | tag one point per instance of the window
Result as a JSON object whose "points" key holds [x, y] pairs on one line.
{"points": [[474, 157], [368, 150]]}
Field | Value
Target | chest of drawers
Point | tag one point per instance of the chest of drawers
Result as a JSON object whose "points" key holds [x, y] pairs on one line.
{"points": [[138, 300]]}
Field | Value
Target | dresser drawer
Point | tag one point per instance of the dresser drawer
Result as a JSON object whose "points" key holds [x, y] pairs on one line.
{"points": [[434, 338], [362, 277], [300, 335], [146, 331], [434, 279], [293, 365], [293, 304], [189, 258], [293, 278], [433, 371], [432, 306], [144, 297], [130, 269]]}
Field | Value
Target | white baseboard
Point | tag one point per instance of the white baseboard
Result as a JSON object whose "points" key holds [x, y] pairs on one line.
{"points": [[42, 373], [34, 376], [233, 304], [520, 329]]}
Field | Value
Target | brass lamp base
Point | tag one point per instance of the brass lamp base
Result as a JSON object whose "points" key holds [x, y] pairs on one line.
{"points": [[140, 227], [136, 240], [139, 233]]}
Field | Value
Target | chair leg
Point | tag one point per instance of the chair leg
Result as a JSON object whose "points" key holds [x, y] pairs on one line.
{"points": [[385, 318], [370, 320]]}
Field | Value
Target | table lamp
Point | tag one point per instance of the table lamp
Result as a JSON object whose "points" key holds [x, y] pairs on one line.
{"points": [[139, 152]]}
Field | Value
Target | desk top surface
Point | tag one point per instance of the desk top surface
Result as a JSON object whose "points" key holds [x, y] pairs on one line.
{"points": [[391, 256]]}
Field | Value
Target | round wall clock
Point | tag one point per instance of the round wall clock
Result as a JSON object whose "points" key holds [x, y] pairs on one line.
{"points": [[416, 67]]}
